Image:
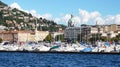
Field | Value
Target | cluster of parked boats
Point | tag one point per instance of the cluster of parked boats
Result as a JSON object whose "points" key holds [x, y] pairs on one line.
{"points": [[61, 47]]}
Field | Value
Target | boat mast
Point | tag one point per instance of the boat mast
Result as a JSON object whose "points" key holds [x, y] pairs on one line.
{"points": [[36, 31], [80, 32]]}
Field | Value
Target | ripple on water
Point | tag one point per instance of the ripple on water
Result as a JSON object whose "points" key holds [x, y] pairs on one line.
{"points": [[16, 59]]}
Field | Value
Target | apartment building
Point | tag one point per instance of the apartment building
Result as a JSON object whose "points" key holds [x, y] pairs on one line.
{"points": [[112, 29]]}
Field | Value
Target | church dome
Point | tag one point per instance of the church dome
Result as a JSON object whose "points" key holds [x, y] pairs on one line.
{"points": [[71, 21]]}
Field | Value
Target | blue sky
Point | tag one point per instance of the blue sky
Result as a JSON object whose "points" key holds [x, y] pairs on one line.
{"points": [[108, 11]]}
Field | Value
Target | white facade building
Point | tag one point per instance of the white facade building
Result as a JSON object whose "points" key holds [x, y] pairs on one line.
{"points": [[71, 33]]}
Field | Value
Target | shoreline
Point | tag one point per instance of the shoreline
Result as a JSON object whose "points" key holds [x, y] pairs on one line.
{"points": [[61, 52]]}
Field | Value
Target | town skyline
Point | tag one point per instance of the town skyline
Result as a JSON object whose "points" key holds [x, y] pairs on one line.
{"points": [[86, 12]]}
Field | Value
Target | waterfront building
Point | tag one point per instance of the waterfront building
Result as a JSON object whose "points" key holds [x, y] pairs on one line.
{"points": [[40, 35], [111, 30], [88, 31], [23, 36], [71, 32]]}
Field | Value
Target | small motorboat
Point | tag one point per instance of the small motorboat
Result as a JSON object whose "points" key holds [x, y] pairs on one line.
{"points": [[87, 49], [54, 47]]}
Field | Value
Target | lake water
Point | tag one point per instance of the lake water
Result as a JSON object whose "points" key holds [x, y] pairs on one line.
{"points": [[16, 59]]}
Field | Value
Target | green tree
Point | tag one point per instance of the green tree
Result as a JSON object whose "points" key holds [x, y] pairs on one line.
{"points": [[48, 38], [118, 36], [62, 37], [14, 10], [59, 37], [45, 28], [116, 39], [103, 38], [1, 23], [1, 40], [94, 39]]}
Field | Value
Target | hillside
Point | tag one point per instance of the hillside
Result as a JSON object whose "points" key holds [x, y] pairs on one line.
{"points": [[20, 20]]}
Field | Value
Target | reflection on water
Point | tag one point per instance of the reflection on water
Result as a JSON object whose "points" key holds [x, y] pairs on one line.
{"points": [[16, 59]]}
